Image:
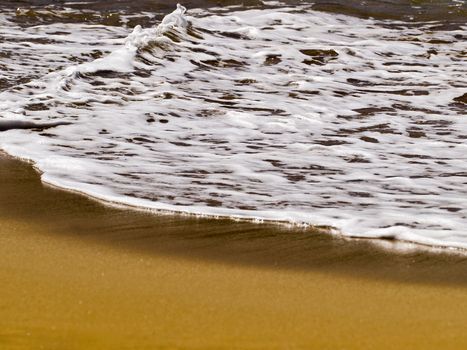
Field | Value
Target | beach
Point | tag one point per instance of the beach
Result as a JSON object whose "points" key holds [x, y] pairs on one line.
{"points": [[78, 274], [233, 174]]}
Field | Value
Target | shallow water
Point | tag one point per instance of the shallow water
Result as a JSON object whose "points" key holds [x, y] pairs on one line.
{"points": [[350, 118], [62, 215]]}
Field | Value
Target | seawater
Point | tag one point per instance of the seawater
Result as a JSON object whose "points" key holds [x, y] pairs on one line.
{"points": [[278, 112]]}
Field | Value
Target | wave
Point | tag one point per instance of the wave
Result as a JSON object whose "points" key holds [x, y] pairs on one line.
{"points": [[281, 114]]}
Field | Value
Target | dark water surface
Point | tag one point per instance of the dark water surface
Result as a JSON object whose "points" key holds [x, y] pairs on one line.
{"points": [[449, 12]]}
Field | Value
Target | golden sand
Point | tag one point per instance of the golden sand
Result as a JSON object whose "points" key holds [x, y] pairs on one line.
{"points": [[86, 276]]}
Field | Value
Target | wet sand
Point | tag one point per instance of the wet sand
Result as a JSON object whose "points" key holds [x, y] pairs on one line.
{"points": [[77, 274]]}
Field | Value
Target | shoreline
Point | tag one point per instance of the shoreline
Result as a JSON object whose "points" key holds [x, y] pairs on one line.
{"points": [[167, 210], [238, 242], [78, 274]]}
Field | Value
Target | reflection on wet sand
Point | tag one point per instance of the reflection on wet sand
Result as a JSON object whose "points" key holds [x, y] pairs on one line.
{"points": [[23, 197]]}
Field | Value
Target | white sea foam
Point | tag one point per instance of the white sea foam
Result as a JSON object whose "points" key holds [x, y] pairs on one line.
{"points": [[284, 114]]}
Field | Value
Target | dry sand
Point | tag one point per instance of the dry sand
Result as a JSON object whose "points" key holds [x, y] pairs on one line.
{"points": [[76, 274]]}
